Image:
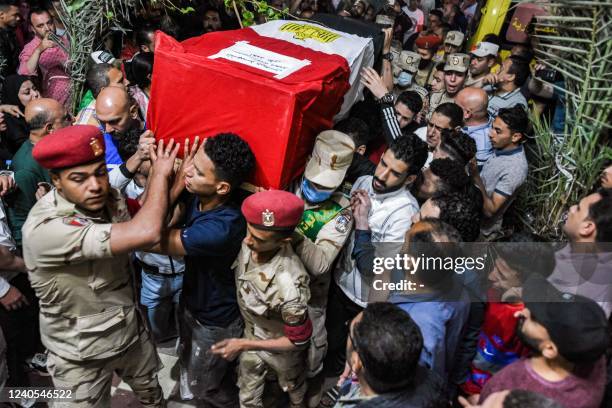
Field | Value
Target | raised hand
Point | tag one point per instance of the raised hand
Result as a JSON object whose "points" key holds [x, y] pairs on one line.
{"points": [[162, 158], [374, 82]]}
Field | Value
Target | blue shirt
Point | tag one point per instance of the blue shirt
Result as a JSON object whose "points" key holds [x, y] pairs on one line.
{"points": [[484, 148], [212, 241]]}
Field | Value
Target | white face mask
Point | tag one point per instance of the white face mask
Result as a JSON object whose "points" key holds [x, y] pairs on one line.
{"points": [[404, 79]]}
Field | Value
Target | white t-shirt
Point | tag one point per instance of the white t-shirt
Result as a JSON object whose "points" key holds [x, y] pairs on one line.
{"points": [[418, 19]]}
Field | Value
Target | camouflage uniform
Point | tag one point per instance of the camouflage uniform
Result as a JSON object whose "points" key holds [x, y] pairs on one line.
{"points": [[89, 320], [271, 296]]}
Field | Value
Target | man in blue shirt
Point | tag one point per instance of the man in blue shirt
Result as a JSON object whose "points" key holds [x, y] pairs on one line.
{"points": [[209, 240]]}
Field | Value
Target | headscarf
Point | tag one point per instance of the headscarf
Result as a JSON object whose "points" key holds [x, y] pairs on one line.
{"points": [[17, 129]]}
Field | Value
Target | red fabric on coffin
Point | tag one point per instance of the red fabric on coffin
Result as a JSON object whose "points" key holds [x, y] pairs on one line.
{"points": [[279, 118]]}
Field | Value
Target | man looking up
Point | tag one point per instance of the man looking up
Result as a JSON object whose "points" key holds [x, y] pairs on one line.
{"points": [[43, 117], [210, 241], [505, 86], [9, 50], [76, 245], [473, 102], [44, 56]]}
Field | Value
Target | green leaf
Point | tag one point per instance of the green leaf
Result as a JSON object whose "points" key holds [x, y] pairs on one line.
{"points": [[247, 15], [75, 5], [109, 15], [187, 10], [272, 13], [247, 23]]}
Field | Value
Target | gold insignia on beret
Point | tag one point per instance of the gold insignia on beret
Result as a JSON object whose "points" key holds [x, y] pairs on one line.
{"points": [[96, 147], [267, 218]]}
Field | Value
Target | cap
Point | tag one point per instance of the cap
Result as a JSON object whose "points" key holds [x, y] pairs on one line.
{"points": [[485, 48], [385, 20], [100, 57], [332, 155], [576, 324], [273, 210], [457, 62], [428, 42], [409, 61], [69, 147], [454, 38]]}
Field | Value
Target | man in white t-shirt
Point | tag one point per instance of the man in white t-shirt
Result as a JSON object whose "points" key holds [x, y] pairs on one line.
{"points": [[416, 16]]}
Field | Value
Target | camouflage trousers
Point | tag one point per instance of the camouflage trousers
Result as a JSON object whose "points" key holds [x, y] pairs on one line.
{"points": [[288, 367], [90, 381]]}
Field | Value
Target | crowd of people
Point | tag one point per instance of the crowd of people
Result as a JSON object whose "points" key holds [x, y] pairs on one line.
{"points": [[110, 245]]}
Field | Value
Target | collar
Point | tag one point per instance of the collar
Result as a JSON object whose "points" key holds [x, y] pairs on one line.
{"points": [[269, 268], [67, 208], [509, 152], [508, 95], [477, 127]]}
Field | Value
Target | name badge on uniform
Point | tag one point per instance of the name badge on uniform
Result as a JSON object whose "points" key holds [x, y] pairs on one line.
{"points": [[343, 220]]}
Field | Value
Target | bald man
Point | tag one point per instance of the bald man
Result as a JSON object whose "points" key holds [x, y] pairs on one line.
{"points": [[43, 117], [120, 121], [474, 103]]}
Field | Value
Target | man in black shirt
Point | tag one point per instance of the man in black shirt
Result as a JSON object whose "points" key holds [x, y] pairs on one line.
{"points": [[9, 51]]}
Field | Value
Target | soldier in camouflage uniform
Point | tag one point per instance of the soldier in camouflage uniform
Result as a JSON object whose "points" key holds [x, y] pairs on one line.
{"points": [[272, 290], [76, 242], [321, 234], [455, 71]]}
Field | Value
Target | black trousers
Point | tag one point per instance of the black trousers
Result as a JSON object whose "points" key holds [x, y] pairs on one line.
{"points": [[340, 311], [22, 333]]}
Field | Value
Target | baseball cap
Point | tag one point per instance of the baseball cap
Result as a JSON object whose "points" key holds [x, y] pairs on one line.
{"points": [[576, 324], [331, 157], [485, 48], [457, 62], [454, 38]]}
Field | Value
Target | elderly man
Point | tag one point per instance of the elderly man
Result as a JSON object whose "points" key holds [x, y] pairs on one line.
{"points": [[43, 117], [43, 55], [476, 120]]}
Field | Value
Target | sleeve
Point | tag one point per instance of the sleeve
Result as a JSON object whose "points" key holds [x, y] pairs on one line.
{"points": [[4, 286], [67, 240], [466, 349], [24, 56], [208, 237], [391, 129], [27, 182], [509, 183], [364, 252], [119, 178], [319, 256], [294, 289]]}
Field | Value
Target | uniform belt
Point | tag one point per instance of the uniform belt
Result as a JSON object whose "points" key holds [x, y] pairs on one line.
{"points": [[154, 270]]}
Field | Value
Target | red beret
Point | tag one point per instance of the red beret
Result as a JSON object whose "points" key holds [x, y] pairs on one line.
{"points": [[428, 42], [69, 147], [273, 210]]}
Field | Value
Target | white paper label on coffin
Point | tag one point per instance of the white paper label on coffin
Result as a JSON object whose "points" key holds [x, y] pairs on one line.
{"points": [[278, 64], [357, 51]]}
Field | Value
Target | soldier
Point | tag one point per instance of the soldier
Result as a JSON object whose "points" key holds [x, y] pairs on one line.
{"points": [[453, 43], [76, 242], [427, 46], [455, 71], [272, 290], [321, 234], [484, 57], [408, 62]]}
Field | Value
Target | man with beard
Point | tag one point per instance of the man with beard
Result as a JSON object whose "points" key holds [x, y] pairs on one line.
{"points": [[427, 46], [212, 21], [568, 336], [119, 117], [483, 59], [454, 77], [389, 217]]}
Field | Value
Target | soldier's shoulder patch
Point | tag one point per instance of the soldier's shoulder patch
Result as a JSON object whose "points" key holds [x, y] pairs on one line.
{"points": [[343, 220], [76, 221]]}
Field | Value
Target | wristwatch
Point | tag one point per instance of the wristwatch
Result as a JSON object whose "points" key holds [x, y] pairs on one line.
{"points": [[388, 56], [387, 98]]}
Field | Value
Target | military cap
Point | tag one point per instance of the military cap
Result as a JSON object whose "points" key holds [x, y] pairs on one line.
{"points": [[429, 42], [457, 62], [332, 155], [454, 38], [409, 61], [273, 210], [69, 147]]}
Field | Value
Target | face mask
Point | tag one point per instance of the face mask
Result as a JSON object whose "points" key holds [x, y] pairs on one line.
{"points": [[312, 195], [404, 79]]}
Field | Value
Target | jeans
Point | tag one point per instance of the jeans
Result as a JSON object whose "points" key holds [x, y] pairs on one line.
{"points": [[160, 295]]}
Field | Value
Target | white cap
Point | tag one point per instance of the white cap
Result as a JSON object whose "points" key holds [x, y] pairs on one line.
{"points": [[102, 57], [485, 48]]}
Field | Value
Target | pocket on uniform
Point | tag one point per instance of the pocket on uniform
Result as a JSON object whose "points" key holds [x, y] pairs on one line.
{"points": [[105, 334], [48, 295]]}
